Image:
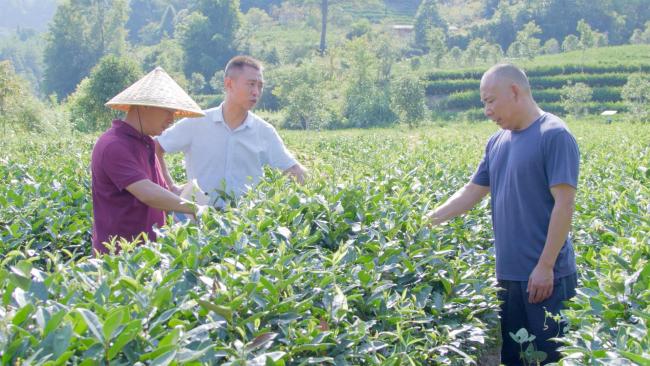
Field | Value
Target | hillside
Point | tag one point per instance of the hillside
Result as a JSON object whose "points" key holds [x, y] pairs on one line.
{"points": [[605, 70]]}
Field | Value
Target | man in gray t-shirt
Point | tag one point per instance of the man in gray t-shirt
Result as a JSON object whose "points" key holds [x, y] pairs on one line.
{"points": [[530, 168]]}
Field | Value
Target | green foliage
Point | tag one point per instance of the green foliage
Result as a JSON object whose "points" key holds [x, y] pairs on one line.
{"points": [[530, 356], [142, 14], [25, 52], [303, 93], [359, 28], [574, 98], [19, 109], [641, 36], [551, 46], [407, 97], [525, 44], [427, 20], [366, 97], [196, 83], [636, 94], [457, 90], [571, 43], [168, 54], [107, 79], [212, 27], [437, 45], [80, 34], [342, 269]]}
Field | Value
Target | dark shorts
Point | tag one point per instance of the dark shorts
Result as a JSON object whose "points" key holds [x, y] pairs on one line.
{"points": [[516, 313]]}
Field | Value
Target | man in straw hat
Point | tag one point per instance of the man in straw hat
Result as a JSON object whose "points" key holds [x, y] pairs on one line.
{"points": [[128, 188], [226, 150]]}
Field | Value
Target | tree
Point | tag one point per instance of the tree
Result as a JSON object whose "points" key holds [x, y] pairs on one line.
{"points": [[476, 51], [359, 28], [437, 45], [301, 91], [167, 54], [575, 98], [111, 75], [82, 32], [641, 36], [366, 97], [571, 43], [551, 47], [427, 19], [9, 87], [207, 36], [587, 35], [636, 94], [18, 107], [143, 13], [323, 33], [25, 51], [407, 96], [525, 44], [197, 83]]}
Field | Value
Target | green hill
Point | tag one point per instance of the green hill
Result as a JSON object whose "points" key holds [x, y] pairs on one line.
{"points": [[605, 70]]}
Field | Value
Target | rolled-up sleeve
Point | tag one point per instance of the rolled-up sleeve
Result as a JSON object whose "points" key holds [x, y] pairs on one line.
{"points": [[279, 156]]}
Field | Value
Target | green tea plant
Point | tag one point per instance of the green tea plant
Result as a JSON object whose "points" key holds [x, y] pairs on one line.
{"points": [[342, 270]]}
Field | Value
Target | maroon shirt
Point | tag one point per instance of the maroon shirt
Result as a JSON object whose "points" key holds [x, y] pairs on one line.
{"points": [[122, 156]]}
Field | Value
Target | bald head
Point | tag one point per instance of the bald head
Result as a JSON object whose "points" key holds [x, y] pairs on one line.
{"points": [[505, 75]]}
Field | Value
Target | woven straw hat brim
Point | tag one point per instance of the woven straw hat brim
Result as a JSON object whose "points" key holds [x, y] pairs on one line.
{"points": [[157, 89]]}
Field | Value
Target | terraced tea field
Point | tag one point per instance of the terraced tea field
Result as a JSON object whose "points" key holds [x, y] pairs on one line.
{"points": [[339, 271]]}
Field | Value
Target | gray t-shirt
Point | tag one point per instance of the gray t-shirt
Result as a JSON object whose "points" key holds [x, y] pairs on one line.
{"points": [[520, 167]]}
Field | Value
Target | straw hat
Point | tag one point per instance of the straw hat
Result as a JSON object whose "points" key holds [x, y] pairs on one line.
{"points": [[157, 89]]}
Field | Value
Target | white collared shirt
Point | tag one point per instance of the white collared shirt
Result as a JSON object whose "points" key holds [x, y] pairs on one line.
{"points": [[223, 159]]}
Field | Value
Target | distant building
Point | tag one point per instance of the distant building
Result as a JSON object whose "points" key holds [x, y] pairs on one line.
{"points": [[402, 30]]}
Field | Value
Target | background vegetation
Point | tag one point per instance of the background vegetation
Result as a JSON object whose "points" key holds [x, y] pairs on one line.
{"points": [[330, 64]]}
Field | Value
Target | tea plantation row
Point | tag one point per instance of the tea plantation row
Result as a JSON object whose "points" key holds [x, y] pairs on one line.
{"points": [[342, 270]]}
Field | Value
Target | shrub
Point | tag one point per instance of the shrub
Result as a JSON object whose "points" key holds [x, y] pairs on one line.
{"points": [[574, 97], [407, 95], [107, 79], [636, 94], [19, 109]]}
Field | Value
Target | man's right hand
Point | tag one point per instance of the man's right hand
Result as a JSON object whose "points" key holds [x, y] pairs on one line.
{"points": [[176, 189]]}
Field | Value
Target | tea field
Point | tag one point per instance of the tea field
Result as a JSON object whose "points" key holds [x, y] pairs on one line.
{"points": [[340, 271]]}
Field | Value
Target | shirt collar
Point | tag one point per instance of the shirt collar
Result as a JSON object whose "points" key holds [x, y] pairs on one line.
{"points": [[217, 116], [124, 129]]}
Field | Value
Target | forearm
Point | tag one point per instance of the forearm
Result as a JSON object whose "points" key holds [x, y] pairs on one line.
{"points": [[558, 231], [167, 201], [460, 202], [153, 195]]}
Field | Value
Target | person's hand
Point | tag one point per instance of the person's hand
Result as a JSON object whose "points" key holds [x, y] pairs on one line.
{"points": [[176, 189], [540, 284], [432, 219], [201, 210]]}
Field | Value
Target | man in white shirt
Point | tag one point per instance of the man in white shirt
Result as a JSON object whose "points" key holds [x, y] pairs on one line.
{"points": [[226, 150]]}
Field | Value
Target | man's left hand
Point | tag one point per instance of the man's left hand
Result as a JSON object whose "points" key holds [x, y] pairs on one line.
{"points": [[298, 173], [540, 284]]}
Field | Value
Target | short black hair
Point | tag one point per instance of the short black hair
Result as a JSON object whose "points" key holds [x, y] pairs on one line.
{"points": [[238, 63]]}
